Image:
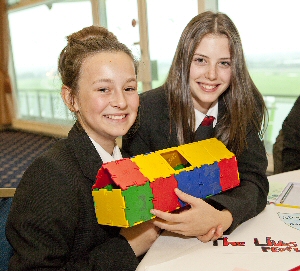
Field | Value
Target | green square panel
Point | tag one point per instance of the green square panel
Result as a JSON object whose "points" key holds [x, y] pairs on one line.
{"points": [[138, 202]]}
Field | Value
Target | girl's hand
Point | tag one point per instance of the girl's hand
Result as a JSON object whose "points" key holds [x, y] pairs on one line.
{"points": [[201, 220], [141, 236], [212, 235]]}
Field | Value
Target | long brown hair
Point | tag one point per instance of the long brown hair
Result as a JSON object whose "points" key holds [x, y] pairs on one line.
{"points": [[244, 103]]}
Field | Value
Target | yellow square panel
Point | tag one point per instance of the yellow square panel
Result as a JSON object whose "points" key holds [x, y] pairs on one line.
{"points": [[153, 166], [217, 149], [196, 154], [110, 207]]}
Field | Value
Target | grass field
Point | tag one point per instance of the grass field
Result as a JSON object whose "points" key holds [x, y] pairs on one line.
{"points": [[282, 83]]}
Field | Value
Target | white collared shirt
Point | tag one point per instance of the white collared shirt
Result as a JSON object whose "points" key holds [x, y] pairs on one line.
{"points": [[105, 156], [212, 111]]}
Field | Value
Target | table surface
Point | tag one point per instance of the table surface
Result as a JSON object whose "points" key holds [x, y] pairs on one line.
{"points": [[269, 241]]}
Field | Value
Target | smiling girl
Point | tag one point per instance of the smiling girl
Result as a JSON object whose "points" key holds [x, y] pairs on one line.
{"points": [[52, 224], [208, 77]]}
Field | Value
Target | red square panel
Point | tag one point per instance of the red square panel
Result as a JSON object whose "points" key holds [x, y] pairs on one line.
{"points": [[165, 198], [229, 175], [126, 173]]}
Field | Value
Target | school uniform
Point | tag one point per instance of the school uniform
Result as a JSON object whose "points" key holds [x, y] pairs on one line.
{"points": [[291, 139], [154, 133], [52, 224]]}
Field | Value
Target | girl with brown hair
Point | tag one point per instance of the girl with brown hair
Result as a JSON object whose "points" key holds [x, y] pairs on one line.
{"points": [[52, 224], [208, 77]]}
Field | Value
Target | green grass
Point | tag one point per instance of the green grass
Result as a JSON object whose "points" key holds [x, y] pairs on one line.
{"points": [[270, 83]]}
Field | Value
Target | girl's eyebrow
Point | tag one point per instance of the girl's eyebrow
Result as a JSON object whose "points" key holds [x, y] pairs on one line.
{"points": [[107, 80], [133, 79], [223, 58], [196, 54]]}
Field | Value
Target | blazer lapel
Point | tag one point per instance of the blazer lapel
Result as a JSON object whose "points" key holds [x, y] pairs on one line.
{"points": [[85, 152], [203, 132]]}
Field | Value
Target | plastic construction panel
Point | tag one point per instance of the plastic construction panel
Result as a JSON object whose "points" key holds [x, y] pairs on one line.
{"points": [[153, 166], [189, 182], [229, 173], [125, 173], [165, 198], [210, 180], [217, 149], [138, 201], [110, 207], [103, 178], [196, 154]]}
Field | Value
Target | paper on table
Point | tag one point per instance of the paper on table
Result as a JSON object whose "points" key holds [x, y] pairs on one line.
{"points": [[276, 189], [291, 219], [216, 262], [290, 196]]}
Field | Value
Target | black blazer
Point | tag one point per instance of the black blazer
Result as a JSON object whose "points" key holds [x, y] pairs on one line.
{"points": [[52, 223], [154, 133], [291, 139]]}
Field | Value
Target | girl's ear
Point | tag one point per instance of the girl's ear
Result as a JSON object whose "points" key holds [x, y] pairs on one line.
{"points": [[69, 98]]}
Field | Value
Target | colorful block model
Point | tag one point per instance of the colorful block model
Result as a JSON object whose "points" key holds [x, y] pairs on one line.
{"points": [[126, 190]]}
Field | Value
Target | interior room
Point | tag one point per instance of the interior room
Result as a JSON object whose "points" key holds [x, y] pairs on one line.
{"points": [[33, 116]]}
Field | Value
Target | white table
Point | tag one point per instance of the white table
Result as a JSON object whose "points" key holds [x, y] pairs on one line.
{"points": [[174, 252]]}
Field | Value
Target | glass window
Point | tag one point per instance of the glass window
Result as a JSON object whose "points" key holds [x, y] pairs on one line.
{"points": [[38, 35], [165, 25], [166, 21], [272, 51], [123, 24]]}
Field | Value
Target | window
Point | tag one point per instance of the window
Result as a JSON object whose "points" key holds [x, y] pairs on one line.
{"points": [[166, 21], [165, 25], [271, 47], [123, 24], [38, 35]]}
